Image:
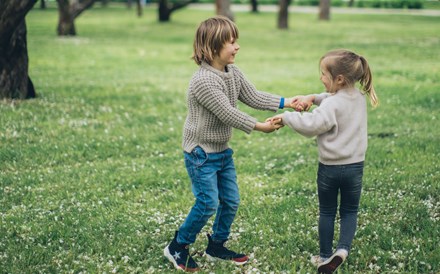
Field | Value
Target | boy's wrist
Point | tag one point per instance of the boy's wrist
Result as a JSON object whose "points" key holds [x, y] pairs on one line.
{"points": [[282, 102]]}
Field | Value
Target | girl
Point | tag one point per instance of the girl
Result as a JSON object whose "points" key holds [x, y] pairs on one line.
{"points": [[340, 124], [212, 99]]}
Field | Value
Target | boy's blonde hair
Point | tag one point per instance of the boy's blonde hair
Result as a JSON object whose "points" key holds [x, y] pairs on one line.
{"points": [[210, 37], [354, 68]]}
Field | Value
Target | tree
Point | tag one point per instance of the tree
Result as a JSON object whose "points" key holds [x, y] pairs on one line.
{"points": [[14, 62], [68, 11], [166, 8], [139, 6], [254, 5], [324, 10], [223, 7], [283, 14]]}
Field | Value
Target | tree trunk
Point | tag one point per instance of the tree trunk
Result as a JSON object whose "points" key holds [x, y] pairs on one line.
{"points": [[43, 4], [14, 78], [66, 23], [283, 14], [324, 10], [223, 7], [351, 3], [139, 4], [164, 11], [165, 8], [68, 11], [254, 5]]}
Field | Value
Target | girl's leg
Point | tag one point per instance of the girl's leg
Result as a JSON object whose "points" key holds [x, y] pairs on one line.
{"points": [[228, 196], [351, 189], [202, 170], [328, 177]]}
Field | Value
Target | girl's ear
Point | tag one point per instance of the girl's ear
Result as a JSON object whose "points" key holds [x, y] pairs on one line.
{"points": [[340, 80]]}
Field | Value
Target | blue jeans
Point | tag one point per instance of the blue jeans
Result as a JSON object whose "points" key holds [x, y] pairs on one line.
{"points": [[214, 185], [332, 180]]}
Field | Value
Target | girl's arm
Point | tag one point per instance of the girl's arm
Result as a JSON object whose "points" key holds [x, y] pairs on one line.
{"points": [[304, 102]]}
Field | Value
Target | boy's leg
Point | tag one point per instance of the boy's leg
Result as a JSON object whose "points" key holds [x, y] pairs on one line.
{"points": [[328, 201], [229, 198], [203, 174], [350, 197]]}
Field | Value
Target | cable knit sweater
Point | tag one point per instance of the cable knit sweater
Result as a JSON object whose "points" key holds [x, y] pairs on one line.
{"points": [[212, 107], [340, 124]]}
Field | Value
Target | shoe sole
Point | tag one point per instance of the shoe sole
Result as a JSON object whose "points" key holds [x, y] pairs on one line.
{"points": [[167, 254], [331, 266], [212, 259]]}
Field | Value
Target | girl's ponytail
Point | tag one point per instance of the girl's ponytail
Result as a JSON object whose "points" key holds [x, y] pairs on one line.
{"points": [[366, 82]]}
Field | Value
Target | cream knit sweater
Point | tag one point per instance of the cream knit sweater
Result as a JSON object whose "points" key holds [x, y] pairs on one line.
{"points": [[340, 124], [212, 107]]}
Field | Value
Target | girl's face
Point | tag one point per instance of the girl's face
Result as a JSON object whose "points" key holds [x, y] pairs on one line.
{"points": [[326, 78], [226, 55]]}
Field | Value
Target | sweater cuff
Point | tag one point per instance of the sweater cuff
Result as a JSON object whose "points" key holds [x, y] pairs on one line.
{"points": [[319, 97], [250, 125]]}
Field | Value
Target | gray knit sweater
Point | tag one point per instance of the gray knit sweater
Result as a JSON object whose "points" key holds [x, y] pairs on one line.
{"points": [[340, 124], [212, 107]]}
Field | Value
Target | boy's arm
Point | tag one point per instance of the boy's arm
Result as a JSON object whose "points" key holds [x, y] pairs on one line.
{"points": [[211, 96], [254, 98]]}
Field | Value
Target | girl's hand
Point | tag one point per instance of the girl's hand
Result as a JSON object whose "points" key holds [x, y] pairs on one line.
{"points": [[276, 120], [300, 102]]}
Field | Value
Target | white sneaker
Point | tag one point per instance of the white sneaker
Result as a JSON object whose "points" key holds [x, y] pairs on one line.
{"points": [[317, 260], [331, 264]]}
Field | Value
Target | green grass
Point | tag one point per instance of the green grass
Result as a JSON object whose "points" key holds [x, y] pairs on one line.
{"points": [[91, 173]]}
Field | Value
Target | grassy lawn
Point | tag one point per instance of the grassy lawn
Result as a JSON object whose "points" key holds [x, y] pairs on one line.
{"points": [[92, 175]]}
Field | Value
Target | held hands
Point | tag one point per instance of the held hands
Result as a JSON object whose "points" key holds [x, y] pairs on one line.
{"points": [[268, 126], [300, 102], [276, 120]]}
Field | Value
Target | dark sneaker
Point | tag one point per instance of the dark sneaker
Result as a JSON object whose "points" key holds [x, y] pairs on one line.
{"points": [[178, 255], [331, 264], [217, 250]]}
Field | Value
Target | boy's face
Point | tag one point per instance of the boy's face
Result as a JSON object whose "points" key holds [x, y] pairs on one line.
{"points": [[227, 53]]}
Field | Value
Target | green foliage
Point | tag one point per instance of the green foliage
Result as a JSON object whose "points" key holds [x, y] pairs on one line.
{"points": [[91, 173], [395, 4]]}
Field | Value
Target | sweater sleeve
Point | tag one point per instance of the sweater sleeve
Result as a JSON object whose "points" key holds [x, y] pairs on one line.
{"points": [[210, 95], [254, 98], [309, 124], [320, 97]]}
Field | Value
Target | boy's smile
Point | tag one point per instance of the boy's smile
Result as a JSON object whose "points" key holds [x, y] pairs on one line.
{"points": [[226, 55]]}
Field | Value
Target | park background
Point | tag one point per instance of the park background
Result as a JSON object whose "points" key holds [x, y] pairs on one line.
{"points": [[92, 173]]}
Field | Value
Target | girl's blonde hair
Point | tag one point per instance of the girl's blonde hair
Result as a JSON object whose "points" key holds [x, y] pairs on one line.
{"points": [[210, 37], [354, 68]]}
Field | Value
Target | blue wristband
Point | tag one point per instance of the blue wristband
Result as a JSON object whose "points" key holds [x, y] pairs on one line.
{"points": [[281, 103]]}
